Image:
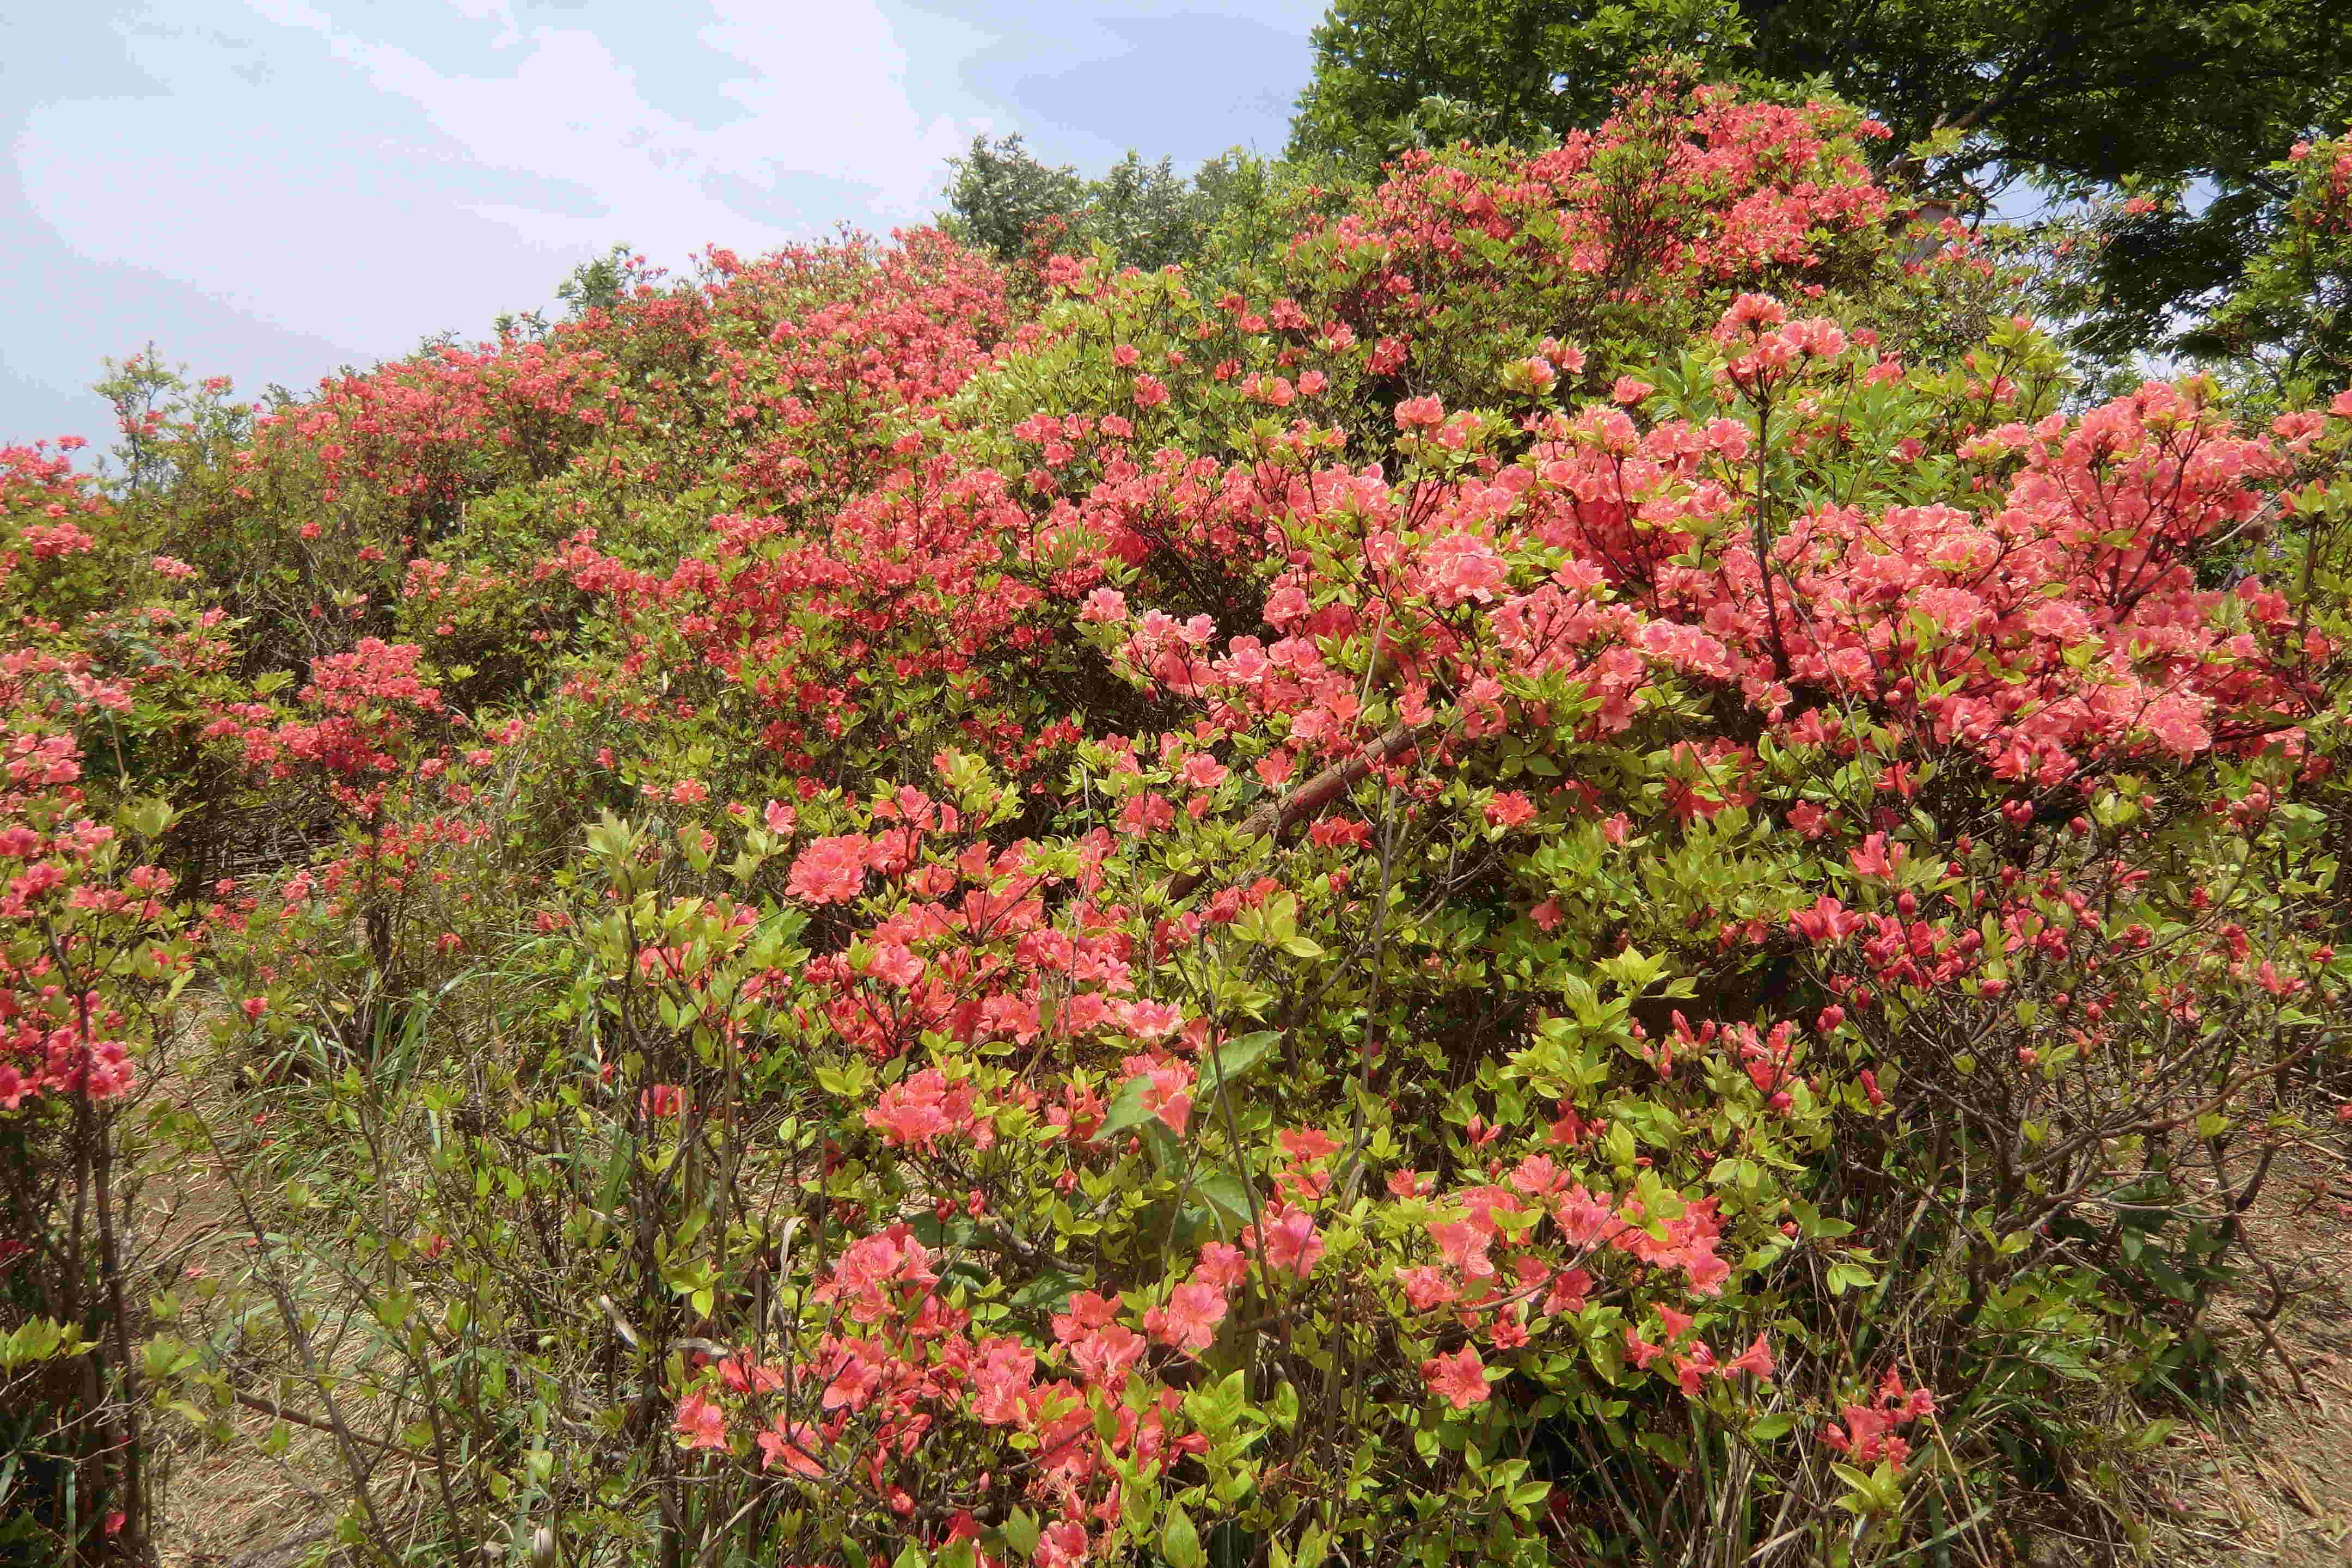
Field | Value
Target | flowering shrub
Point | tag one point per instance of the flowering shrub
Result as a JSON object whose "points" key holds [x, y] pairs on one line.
{"points": [[1561, 872], [91, 956]]}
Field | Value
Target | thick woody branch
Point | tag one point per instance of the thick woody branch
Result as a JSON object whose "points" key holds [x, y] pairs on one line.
{"points": [[1278, 817]]}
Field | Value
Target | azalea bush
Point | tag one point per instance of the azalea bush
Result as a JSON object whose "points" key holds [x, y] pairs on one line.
{"points": [[1569, 872], [93, 951]]}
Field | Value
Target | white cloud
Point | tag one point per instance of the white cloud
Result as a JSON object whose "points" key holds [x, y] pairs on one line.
{"points": [[826, 93], [498, 11], [338, 183], [823, 92], [258, 184]]}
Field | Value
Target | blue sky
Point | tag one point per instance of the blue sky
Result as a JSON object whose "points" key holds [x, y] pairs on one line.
{"points": [[269, 189]]}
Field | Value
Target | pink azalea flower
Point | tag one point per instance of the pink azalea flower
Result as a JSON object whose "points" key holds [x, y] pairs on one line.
{"points": [[700, 1423], [1459, 1379]]}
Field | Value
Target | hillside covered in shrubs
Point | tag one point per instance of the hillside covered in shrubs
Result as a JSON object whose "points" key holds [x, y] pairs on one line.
{"points": [[1578, 867]]}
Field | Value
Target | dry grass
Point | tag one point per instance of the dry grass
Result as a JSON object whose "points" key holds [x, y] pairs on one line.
{"points": [[2270, 1482], [268, 1493]]}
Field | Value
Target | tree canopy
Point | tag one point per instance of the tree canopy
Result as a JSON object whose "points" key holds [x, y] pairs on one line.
{"points": [[2188, 106], [1003, 200]]}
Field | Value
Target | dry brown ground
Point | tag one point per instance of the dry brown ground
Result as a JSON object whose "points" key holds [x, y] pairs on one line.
{"points": [[2270, 1483], [268, 1496]]}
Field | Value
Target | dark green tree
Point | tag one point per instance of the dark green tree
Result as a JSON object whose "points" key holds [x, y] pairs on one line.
{"points": [[602, 283], [1003, 200], [2189, 104], [1147, 213], [2286, 330], [999, 195], [1390, 74]]}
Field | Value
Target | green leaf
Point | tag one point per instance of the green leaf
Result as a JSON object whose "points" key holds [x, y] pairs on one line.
{"points": [[1179, 1543], [1604, 1343], [1052, 1290], [1236, 1057], [1844, 1277], [148, 818], [1667, 1447], [1224, 1189], [1127, 1108], [1021, 1532]]}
